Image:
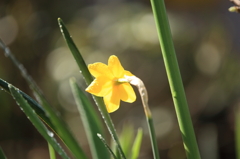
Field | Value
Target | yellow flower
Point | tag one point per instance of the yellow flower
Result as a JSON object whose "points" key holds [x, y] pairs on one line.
{"points": [[108, 85]]}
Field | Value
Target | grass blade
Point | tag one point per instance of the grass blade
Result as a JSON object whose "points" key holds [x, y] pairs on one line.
{"points": [[126, 138], [137, 144], [52, 154], [75, 52], [60, 127], [32, 116], [88, 78], [33, 86], [107, 146], [175, 80], [2, 155], [34, 105], [63, 131], [90, 121], [237, 131]]}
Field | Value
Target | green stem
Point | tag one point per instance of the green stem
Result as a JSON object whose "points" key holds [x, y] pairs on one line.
{"points": [[237, 132], [153, 138], [175, 81], [144, 96], [51, 152]]}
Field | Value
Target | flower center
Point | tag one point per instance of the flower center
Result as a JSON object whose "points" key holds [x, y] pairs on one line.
{"points": [[120, 81]]}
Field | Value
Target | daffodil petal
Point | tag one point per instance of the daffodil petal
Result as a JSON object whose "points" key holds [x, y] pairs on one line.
{"points": [[112, 101], [128, 73], [101, 86], [115, 66], [126, 93], [99, 69]]}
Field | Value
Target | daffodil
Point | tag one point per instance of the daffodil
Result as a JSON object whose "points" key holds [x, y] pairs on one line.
{"points": [[110, 83]]}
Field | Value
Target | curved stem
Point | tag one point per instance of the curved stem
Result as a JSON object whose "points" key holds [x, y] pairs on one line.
{"points": [[144, 96]]}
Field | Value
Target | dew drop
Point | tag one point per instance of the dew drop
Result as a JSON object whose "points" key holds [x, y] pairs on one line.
{"points": [[6, 52], [51, 134]]}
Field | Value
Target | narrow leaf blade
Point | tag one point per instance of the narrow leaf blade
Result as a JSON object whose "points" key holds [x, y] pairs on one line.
{"points": [[88, 78], [63, 131], [107, 146], [34, 105], [137, 144], [60, 127], [75, 52], [2, 155], [126, 138], [32, 116], [51, 151], [90, 121]]}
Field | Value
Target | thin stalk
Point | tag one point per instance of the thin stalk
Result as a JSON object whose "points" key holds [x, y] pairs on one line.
{"points": [[174, 78], [237, 131], [144, 96], [107, 146], [51, 152], [153, 137]]}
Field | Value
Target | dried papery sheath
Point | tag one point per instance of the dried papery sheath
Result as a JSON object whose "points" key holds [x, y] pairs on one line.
{"points": [[236, 2], [133, 80]]}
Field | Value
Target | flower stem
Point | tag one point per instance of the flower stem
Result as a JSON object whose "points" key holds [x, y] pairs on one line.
{"points": [[144, 96], [175, 81], [237, 131]]}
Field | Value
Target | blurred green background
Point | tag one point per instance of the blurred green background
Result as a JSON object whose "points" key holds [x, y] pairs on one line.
{"points": [[206, 38]]}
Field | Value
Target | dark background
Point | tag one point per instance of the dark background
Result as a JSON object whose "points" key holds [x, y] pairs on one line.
{"points": [[206, 38]]}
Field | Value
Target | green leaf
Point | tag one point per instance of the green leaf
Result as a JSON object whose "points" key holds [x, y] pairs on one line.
{"points": [[130, 145], [237, 131], [175, 82], [137, 144], [2, 155], [75, 52], [60, 127], [107, 146], [126, 139], [62, 130], [51, 151], [32, 116], [88, 78], [34, 105], [90, 121], [39, 110]]}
